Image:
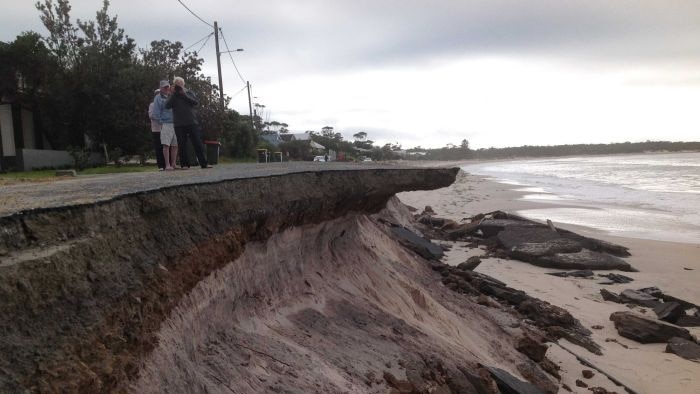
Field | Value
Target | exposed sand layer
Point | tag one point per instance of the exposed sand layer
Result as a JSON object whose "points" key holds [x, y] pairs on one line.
{"points": [[645, 368], [323, 308]]}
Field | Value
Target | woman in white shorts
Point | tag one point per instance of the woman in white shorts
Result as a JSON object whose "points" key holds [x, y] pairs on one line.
{"points": [[167, 138]]}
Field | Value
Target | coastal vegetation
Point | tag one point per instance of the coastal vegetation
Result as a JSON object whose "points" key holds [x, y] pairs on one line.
{"points": [[462, 152], [89, 84]]}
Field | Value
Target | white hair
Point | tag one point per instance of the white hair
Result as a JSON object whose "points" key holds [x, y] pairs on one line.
{"points": [[179, 81]]}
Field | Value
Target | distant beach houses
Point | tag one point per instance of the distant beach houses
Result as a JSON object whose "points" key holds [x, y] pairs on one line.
{"points": [[276, 138]]}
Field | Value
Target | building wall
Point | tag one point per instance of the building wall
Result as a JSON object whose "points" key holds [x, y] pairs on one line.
{"points": [[7, 131], [28, 129]]}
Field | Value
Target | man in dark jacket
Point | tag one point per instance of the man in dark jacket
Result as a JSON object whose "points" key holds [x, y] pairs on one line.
{"points": [[182, 102]]}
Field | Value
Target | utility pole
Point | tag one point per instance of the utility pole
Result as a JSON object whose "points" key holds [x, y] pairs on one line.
{"points": [[250, 106], [218, 65]]}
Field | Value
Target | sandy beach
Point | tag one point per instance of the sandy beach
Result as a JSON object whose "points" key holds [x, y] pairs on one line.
{"points": [[673, 267]]}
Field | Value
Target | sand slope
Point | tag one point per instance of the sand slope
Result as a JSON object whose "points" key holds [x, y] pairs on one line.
{"points": [[323, 308]]}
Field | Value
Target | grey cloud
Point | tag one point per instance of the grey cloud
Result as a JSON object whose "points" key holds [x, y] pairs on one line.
{"points": [[284, 39]]}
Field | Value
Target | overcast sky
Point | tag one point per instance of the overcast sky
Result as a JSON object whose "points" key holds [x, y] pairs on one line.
{"points": [[494, 72]]}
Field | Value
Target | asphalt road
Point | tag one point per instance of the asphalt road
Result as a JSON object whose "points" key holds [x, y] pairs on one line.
{"points": [[80, 190]]}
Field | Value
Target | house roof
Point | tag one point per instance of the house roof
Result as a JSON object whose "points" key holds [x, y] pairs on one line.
{"points": [[287, 137], [316, 145], [302, 136], [274, 139]]}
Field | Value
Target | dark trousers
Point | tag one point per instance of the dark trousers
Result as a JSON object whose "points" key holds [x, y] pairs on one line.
{"points": [[191, 132], [159, 149]]}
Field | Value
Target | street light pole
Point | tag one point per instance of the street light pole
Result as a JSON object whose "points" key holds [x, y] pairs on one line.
{"points": [[250, 106], [218, 66]]}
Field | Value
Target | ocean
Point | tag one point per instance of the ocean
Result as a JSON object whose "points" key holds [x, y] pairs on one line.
{"points": [[650, 196]]}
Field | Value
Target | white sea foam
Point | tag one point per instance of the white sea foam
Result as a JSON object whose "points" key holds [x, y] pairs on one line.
{"points": [[654, 196]]}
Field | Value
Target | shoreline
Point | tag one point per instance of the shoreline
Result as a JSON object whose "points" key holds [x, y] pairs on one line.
{"points": [[660, 263]]}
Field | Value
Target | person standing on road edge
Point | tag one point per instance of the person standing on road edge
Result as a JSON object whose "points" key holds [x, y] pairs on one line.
{"points": [[155, 133], [183, 102], [168, 142]]}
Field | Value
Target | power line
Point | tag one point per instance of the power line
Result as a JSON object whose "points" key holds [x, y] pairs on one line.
{"points": [[231, 57], [198, 41], [239, 92], [205, 43], [195, 15]]}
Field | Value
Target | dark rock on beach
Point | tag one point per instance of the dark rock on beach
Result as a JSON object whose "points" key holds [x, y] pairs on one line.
{"points": [[644, 330], [617, 278], [470, 264], [461, 231], [684, 348], [422, 246], [669, 311], [573, 274], [545, 246], [610, 296], [582, 260], [688, 321], [637, 297]]}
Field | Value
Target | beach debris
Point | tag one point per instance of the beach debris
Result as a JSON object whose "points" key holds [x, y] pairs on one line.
{"points": [[470, 264], [644, 330], [428, 210], [530, 347], [422, 246], [587, 373], [581, 383], [573, 274], [687, 269], [610, 296], [566, 387], [617, 278], [597, 327], [637, 297], [509, 384], [669, 311], [684, 348]]}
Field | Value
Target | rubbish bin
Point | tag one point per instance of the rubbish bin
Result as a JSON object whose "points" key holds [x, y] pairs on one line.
{"points": [[262, 155], [212, 151]]}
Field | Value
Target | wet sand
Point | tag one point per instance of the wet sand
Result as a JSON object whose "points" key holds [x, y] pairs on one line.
{"points": [[644, 368]]}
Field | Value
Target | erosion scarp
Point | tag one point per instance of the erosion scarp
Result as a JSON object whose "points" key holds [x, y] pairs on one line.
{"points": [[85, 288]]}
